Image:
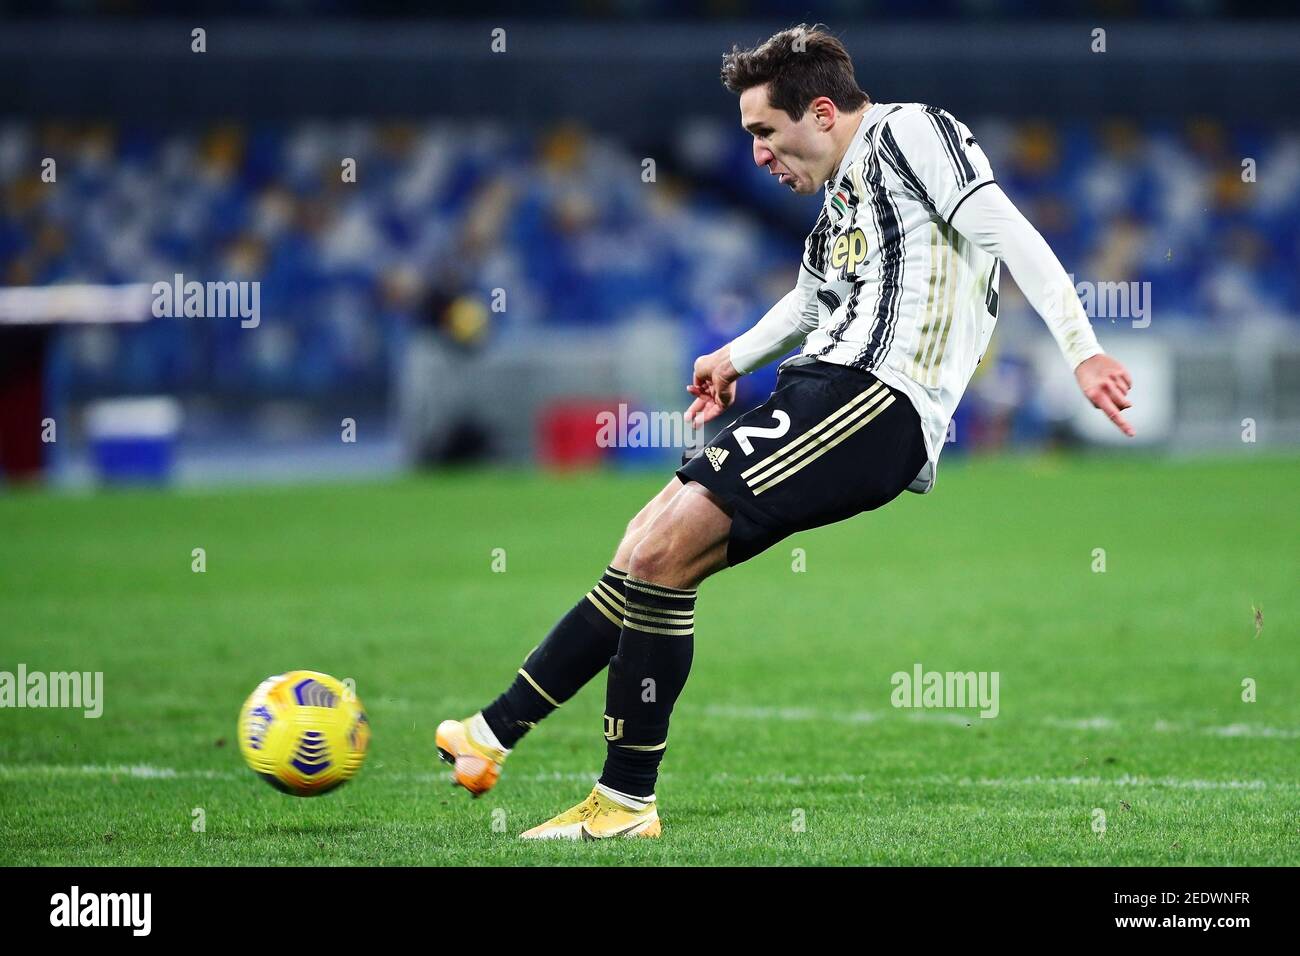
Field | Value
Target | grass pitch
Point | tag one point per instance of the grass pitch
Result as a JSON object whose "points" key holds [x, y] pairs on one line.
{"points": [[1120, 692]]}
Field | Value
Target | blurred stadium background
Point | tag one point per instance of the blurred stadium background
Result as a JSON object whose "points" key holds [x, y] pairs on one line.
{"points": [[501, 269]]}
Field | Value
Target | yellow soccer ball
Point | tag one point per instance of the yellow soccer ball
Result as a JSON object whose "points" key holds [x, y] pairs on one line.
{"points": [[304, 733]]}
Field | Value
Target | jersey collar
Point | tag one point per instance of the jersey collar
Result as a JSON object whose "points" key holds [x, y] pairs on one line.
{"points": [[869, 119]]}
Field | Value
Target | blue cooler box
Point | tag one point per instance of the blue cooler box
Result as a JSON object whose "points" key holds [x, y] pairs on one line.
{"points": [[133, 440]]}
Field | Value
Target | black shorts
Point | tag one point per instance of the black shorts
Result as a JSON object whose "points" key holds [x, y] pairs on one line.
{"points": [[829, 443]]}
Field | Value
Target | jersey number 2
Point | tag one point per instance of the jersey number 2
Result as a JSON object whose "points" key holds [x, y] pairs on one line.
{"points": [[776, 431]]}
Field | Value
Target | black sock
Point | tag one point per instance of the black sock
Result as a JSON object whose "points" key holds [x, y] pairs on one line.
{"points": [[645, 678], [577, 649]]}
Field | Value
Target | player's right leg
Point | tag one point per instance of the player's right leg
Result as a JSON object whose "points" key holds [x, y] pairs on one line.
{"points": [[685, 544], [577, 649]]}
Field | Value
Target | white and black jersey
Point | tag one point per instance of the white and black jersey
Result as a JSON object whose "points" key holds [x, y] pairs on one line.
{"points": [[899, 292]]}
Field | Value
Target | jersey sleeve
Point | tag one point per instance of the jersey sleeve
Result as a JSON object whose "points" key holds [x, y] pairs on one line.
{"points": [[934, 158], [784, 326], [992, 222]]}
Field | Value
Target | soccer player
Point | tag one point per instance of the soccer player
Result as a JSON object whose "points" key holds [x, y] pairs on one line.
{"points": [[896, 299]]}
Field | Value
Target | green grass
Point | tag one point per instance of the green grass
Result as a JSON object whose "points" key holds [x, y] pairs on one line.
{"points": [[1119, 691]]}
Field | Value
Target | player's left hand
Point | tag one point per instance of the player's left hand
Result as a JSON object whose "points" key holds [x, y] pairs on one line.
{"points": [[714, 387], [1105, 383]]}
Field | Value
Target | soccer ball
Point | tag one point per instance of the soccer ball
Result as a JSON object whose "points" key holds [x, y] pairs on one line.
{"points": [[303, 732]]}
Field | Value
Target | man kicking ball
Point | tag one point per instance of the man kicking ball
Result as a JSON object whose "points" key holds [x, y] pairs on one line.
{"points": [[896, 299]]}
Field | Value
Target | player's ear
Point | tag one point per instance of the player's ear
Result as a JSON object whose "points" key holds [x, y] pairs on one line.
{"points": [[823, 112]]}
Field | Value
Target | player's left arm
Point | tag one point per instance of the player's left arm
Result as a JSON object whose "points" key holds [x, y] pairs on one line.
{"points": [[990, 220]]}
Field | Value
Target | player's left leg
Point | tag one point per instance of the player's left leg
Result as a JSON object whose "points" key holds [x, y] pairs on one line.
{"points": [[581, 643], [684, 545], [577, 648]]}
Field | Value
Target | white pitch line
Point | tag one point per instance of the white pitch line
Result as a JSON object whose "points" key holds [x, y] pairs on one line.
{"points": [[546, 776], [148, 772], [1125, 780], [1082, 723], [1250, 730], [130, 771], [787, 714], [970, 717], [937, 716]]}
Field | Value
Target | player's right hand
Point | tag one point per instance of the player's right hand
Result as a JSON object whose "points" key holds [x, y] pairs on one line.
{"points": [[714, 387]]}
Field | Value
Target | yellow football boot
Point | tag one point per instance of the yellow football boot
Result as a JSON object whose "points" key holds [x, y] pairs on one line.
{"points": [[597, 818], [475, 766]]}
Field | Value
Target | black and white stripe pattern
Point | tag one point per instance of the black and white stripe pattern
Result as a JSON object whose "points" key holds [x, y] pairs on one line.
{"points": [[891, 256], [817, 247], [946, 128], [892, 260], [829, 299], [607, 595], [913, 303], [658, 609], [850, 313], [851, 310], [892, 252], [892, 154]]}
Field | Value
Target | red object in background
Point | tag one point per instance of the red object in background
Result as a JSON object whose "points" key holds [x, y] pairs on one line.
{"points": [[22, 369], [567, 431]]}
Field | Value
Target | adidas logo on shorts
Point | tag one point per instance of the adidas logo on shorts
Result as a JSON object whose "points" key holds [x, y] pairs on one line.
{"points": [[716, 456]]}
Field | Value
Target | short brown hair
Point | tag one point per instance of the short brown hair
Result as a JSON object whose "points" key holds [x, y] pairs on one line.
{"points": [[800, 64]]}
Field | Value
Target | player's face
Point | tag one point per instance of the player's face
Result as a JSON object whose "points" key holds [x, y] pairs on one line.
{"points": [[794, 152]]}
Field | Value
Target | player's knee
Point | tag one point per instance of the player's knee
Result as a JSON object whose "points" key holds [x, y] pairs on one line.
{"points": [[653, 560], [639, 521], [635, 531]]}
